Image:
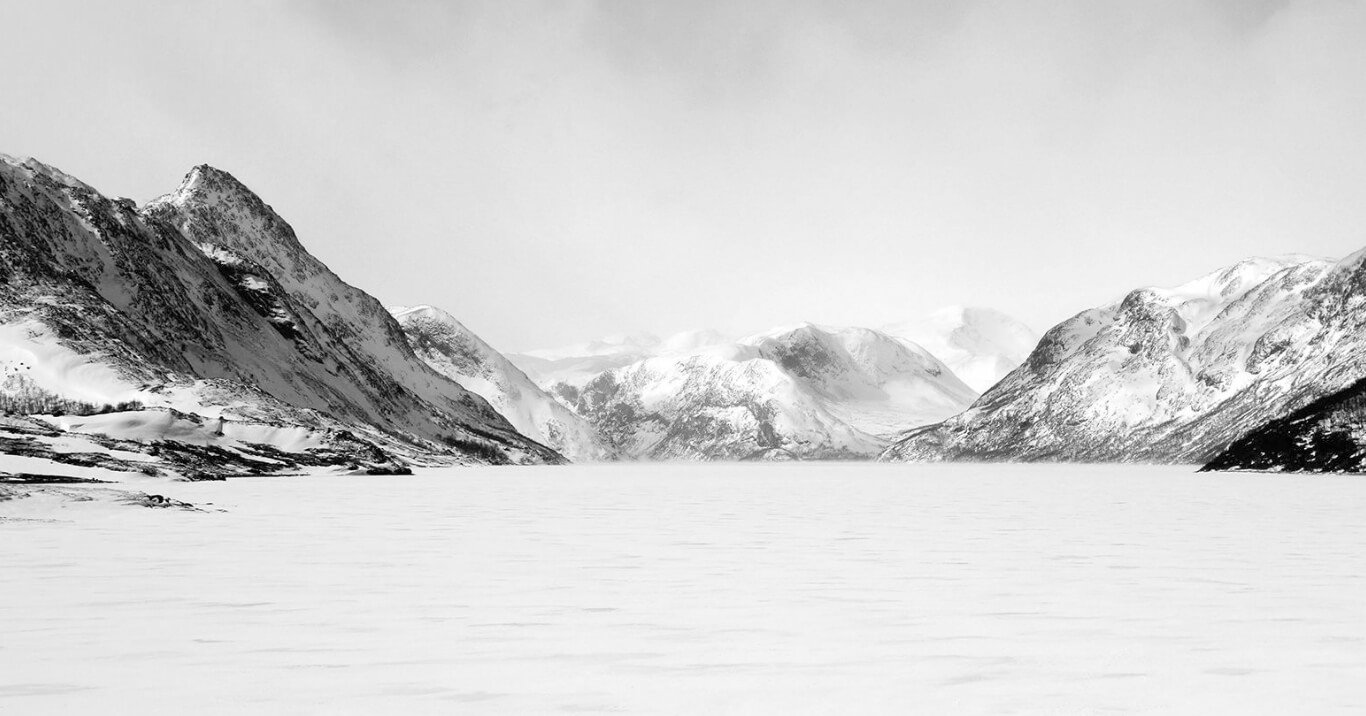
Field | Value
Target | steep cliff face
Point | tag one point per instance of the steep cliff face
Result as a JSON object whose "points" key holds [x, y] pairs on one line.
{"points": [[456, 352], [205, 302], [1169, 375]]}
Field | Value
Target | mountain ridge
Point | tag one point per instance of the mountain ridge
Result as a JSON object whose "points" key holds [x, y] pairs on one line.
{"points": [[796, 392], [204, 302], [456, 352], [1166, 374]]}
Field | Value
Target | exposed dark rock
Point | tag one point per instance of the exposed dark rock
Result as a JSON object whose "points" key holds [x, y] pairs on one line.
{"points": [[1328, 435], [25, 478]]}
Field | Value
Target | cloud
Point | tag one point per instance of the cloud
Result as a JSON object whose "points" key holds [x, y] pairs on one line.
{"points": [[555, 170]]}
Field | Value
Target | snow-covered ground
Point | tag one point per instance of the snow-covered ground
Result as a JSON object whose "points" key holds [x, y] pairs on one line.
{"points": [[704, 588]]}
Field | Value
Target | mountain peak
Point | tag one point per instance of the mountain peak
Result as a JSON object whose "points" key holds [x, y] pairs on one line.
{"points": [[209, 306], [422, 309], [214, 207], [208, 184], [1167, 374], [424, 312]]}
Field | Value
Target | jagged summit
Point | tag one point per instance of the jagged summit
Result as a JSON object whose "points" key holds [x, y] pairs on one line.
{"points": [[204, 302], [210, 199], [203, 180]]}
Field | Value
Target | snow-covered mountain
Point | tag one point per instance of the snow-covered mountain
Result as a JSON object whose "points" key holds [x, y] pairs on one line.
{"points": [[201, 315], [1170, 375], [981, 345], [876, 383], [454, 351], [803, 392]]}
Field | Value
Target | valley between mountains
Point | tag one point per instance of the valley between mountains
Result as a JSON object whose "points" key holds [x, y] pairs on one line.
{"points": [[195, 337]]}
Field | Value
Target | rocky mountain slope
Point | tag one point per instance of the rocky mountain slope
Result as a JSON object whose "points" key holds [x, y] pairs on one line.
{"points": [[454, 351], [805, 392], [980, 345], [1170, 375], [204, 304], [1328, 435]]}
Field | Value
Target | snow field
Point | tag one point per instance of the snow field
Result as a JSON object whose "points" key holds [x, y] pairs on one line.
{"points": [[703, 588]]}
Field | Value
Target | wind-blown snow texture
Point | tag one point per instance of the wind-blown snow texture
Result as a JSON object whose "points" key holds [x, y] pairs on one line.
{"points": [[1170, 375], [573, 366], [693, 589], [980, 345], [204, 302], [804, 392], [454, 351]]}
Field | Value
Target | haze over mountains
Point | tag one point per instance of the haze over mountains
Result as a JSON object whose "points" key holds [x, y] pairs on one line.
{"points": [[196, 337], [1162, 375], [801, 392], [796, 392], [980, 345]]}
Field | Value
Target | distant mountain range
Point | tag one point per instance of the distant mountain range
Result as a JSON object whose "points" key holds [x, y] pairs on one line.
{"points": [[196, 337], [805, 392], [801, 392]]}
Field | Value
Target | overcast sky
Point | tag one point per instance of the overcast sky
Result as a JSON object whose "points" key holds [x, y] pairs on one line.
{"points": [[553, 171]]}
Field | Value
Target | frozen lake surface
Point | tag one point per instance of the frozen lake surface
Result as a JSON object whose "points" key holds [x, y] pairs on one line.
{"points": [[809, 588]]}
